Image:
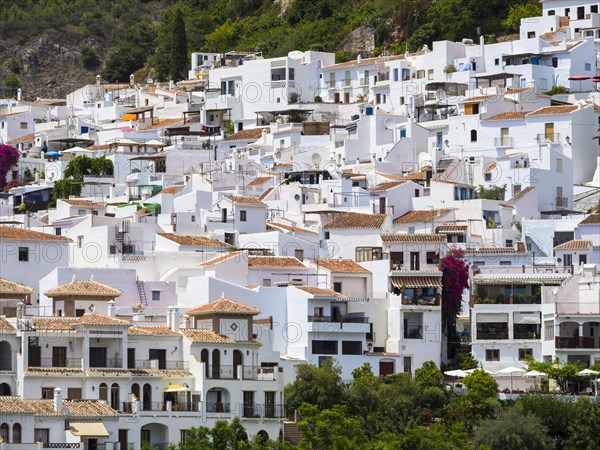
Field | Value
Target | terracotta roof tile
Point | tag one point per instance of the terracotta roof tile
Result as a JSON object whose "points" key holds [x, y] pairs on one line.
{"points": [[84, 288], [54, 371], [220, 258], [8, 287], [139, 372], [553, 110], [259, 181], [386, 186], [507, 116], [162, 123], [592, 219], [99, 147], [356, 220], [319, 292], [151, 330], [280, 227], [266, 193], [223, 306], [422, 215], [101, 319], [171, 190], [6, 326], [48, 323], [341, 266], [247, 134], [451, 229], [80, 408], [521, 194], [413, 238], [576, 244], [206, 336], [552, 34], [83, 203], [193, 240], [19, 234], [497, 250], [275, 262], [366, 61], [245, 200], [516, 90], [14, 405]]}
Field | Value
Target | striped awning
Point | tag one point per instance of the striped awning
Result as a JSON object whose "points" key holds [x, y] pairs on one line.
{"points": [[417, 282]]}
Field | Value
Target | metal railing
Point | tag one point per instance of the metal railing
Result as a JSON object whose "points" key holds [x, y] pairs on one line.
{"points": [[490, 336], [414, 332], [577, 342], [57, 362], [343, 319], [545, 138], [240, 372], [218, 407], [562, 202], [504, 141], [107, 363], [162, 365]]}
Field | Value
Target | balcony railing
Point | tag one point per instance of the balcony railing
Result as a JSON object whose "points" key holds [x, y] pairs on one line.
{"points": [[158, 364], [344, 319], [562, 202], [577, 342], [413, 332], [546, 138], [73, 445], [218, 407], [107, 363], [505, 141], [61, 362], [241, 373], [491, 336]]}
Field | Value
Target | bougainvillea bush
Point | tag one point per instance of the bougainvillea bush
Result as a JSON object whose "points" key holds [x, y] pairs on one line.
{"points": [[455, 280], [9, 156]]}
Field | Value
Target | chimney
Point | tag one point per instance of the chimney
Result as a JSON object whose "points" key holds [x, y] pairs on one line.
{"points": [[19, 94], [58, 400], [112, 308], [173, 318], [359, 59], [138, 315]]}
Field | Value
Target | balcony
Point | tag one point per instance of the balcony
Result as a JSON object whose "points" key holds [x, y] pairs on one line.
{"points": [[218, 407], [241, 373], [108, 363], [61, 362], [577, 342], [344, 319], [504, 142], [413, 332], [161, 365], [548, 138], [562, 202]]}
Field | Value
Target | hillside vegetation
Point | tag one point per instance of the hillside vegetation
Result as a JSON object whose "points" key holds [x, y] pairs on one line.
{"points": [[51, 46]]}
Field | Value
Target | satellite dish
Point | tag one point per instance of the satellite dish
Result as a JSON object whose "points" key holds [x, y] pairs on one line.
{"points": [[72, 129], [389, 124], [316, 159], [440, 95], [297, 197], [93, 134]]}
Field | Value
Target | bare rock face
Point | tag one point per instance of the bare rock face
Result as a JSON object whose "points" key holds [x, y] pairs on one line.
{"points": [[284, 5], [360, 40]]}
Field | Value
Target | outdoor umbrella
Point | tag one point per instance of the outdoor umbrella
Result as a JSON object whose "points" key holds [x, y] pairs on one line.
{"points": [[53, 154], [455, 374], [588, 373], [534, 374], [510, 371], [479, 368], [579, 78]]}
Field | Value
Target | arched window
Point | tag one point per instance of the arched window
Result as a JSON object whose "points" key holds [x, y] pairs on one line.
{"points": [[473, 135], [135, 390], [4, 432], [204, 359], [147, 401], [5, 356], [103, 392], [16, 433], [114, 396], [4, 389]]}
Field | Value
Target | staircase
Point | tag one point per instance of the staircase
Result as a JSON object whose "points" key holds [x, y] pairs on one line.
{"points": [[543, 247], [291, 433], [141, 292]]}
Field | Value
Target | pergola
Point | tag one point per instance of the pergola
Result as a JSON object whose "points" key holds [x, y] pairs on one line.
{"points": [[490, 78]]}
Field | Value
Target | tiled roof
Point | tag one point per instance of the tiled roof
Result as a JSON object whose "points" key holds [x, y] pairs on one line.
{"points": [[99, 147], [341, 266], [413, 238], [422, 215], [48, 323], [81, 408], [84, 288], [83, 203], [320, 292], [193, 240], [266, 193], [162, 123], [259, 181], [576, 244], [516, 90], [451, 229], [28, 235], [279, 227], [223, 306], [506, 116], [592, 219], [248, 201], [275, 262], [171, 190], [8, 287], [410, 176], [247, 135], [26, 138], [54, 371], [220, 258], [210, 337], [479, 98], [364, 61], [6, 326], [101, 372], [150, 330], [356, 220], [14, 405], [521, 194], [386, 186], [497, 250], [552, 34], [553, 110], [101, 319]]}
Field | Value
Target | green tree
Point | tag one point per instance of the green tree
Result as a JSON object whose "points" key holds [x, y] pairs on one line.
{"points": [[321, 386], [584, 428], [520, 11], [179, 50], [428, 375], [330, 429], [564, 374], [89, 57], [513, 429], [481, 385], [65, 188], [228, 436], [12, 83], [121, 64], [435, 436], [555, 413], [198, 437]]}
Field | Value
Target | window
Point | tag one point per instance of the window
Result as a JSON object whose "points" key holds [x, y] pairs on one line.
{"points": [[417, 193], [492, 355], [41, 435], [402, 100], [530, 34], [408, 364], [79, 312], [378, 99], [508, 243], [183, 435], [551, 12], [430, 74], [505, 263], [81, 212], [594, 9], [4, 432], [471, 109], [352, 348], [266, 282], [299, 254], [112, 249], [555, 62], [327, 235], [79, 241], [23, 125], [473, 135], [432, 258], [23, 254], [337, 286], [324, 347], [74, 393], [548, 330], [368, 254], [242, 216], [395, 74], [525, 353], [47, 392], [155, 296], [588, 67], [420, 74], [193, 219], [543, 84], [58, 231], [16, 438], [497, 61], [411, 230], [559, 165]]}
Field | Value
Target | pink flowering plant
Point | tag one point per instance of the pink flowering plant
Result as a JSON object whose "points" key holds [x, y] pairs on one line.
{"points": [[9, 156], [455, 279]]}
